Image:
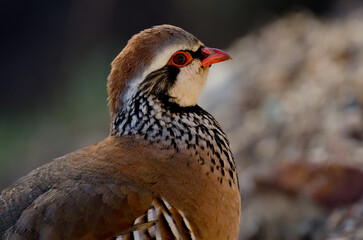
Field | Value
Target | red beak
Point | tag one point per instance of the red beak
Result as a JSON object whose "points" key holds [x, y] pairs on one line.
{"points": [[213, 56]]}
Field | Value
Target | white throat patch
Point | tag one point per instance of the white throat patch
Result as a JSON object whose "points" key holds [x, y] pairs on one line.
{"points": [[189, 83]]}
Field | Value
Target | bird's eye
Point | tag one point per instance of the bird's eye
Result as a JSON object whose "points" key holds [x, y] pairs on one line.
{"points": [[180, 59]]}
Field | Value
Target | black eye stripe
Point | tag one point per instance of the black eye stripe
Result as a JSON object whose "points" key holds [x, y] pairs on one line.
{"points": [[197, 54]]}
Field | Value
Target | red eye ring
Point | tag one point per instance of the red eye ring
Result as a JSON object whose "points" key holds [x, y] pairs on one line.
{"points": [[180, 59]]}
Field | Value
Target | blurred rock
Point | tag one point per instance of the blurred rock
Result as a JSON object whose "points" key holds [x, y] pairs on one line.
{"points": [[330, 186], [293, 92], [346, 223]]}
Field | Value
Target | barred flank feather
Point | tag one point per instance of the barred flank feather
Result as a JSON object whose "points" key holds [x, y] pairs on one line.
{"points": [[161, 221]]}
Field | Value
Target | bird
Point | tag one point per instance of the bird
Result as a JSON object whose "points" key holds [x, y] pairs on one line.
{"points": [[166, 170]]}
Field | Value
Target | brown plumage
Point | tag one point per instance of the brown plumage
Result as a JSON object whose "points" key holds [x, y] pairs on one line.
{"points": [[165, 171]]}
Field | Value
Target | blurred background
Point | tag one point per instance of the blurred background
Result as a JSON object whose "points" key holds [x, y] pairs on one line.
{"points": [[291, 101]]}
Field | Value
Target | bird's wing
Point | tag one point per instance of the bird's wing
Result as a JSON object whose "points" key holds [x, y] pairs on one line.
{"points": [[89, 211], [85, 194], [85, 211]]}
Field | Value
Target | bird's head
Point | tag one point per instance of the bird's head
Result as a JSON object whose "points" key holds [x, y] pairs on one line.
{"points": [[164, 61]]}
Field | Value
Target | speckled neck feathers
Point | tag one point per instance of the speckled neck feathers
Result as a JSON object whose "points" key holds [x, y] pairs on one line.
{"points": [[169, 126]]}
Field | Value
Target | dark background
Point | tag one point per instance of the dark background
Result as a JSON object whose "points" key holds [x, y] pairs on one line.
{"points": [[55, 58]]}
